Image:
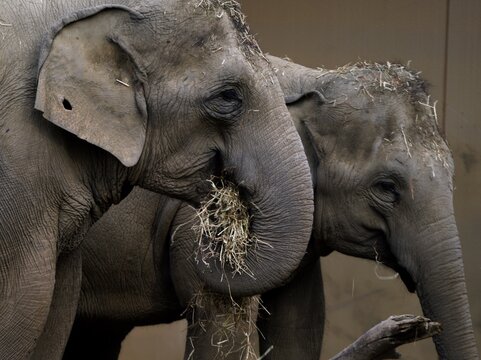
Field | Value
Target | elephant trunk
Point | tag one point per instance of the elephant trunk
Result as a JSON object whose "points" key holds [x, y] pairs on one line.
{"points": [[276, 186], [439, 275]]}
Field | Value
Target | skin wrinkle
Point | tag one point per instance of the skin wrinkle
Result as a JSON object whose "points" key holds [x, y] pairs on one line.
{"points": [[12, 94], [144, 267]]}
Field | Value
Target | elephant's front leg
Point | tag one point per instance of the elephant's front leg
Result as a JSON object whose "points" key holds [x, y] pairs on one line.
{"points": [[27, 279], [68, 279], [294, 327]]}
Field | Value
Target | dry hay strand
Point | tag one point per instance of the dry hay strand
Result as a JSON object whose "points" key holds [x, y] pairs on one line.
{"points": [[230, 323], [223, 228]]}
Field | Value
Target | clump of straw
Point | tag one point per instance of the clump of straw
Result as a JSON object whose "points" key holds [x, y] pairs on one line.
{"points": [[230, 323], [223, 228]]}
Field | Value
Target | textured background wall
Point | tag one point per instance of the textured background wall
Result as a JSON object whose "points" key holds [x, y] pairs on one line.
{"points": [[442, 38]]}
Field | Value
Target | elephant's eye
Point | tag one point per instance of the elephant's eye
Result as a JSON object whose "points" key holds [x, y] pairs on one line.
{"points": [[386, 190], [225, 105]]}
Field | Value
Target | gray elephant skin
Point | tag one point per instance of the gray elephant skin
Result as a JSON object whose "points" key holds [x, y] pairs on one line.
{"points": [[382, 178], [96, 98]]}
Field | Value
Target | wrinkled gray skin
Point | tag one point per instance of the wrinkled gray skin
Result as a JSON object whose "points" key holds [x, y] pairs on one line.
{"points": [[159, 94], [373, 199]]}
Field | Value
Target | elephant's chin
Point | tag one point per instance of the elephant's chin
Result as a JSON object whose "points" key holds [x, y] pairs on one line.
{"points": [[387, 257], [407, 280], [403, 274]]}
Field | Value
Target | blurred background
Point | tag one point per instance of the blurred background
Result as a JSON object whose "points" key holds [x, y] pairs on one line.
{"points": [[441, 38]]}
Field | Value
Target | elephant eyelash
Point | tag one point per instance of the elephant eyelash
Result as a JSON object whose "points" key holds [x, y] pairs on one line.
{"points": [[388, 186], [386, 191], [226, 104]]}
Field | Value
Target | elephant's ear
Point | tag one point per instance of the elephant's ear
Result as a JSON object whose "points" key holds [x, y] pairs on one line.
{"points": [[306, 112], [91, 85], [304, 106]]}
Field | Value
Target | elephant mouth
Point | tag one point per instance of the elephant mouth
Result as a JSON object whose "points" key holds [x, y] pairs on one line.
{"points": [[214, 169], [407, 280], [380, 251], [224, 228], [386, 257]]}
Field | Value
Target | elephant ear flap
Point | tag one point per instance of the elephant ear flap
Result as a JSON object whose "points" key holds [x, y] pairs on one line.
{"points": [[305, 108], [307, 111], [90, 84]]}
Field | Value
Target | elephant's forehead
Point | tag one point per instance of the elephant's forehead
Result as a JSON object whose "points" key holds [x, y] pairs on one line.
{"points": [[219, 26], [390, 125], [413, 133], [200, 38]]}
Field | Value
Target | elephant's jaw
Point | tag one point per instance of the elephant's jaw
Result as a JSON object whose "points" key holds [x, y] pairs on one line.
{"points": [[375, 248], [390, 260], [383, 254], [407, 279]]}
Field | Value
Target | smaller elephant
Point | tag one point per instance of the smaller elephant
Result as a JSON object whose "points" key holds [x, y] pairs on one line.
{"points": [[382, 178], [383, 190]]}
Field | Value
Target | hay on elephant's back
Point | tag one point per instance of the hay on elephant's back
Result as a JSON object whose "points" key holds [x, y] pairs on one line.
{"points": [[223, 228]]}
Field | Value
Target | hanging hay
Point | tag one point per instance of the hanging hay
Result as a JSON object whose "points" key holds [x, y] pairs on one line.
{"points": [[230, 323], [223, 228]]}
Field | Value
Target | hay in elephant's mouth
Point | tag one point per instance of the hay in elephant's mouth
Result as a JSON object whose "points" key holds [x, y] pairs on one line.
{"points": [[223, 228], [231, 324]]}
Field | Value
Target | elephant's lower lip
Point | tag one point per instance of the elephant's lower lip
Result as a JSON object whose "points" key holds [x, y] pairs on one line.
{"points": [[404, 274], [388, 259]]}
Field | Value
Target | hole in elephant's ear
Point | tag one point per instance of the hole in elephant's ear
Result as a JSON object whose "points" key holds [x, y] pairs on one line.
{"points": [[67, 105]]}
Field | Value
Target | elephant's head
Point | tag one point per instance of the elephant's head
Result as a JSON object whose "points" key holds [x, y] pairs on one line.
{"points": [[383, 180], [178, 91]]}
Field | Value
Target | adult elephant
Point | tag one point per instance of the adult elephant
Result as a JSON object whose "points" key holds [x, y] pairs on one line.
{"points": [[382, 178], [96, 98]]}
